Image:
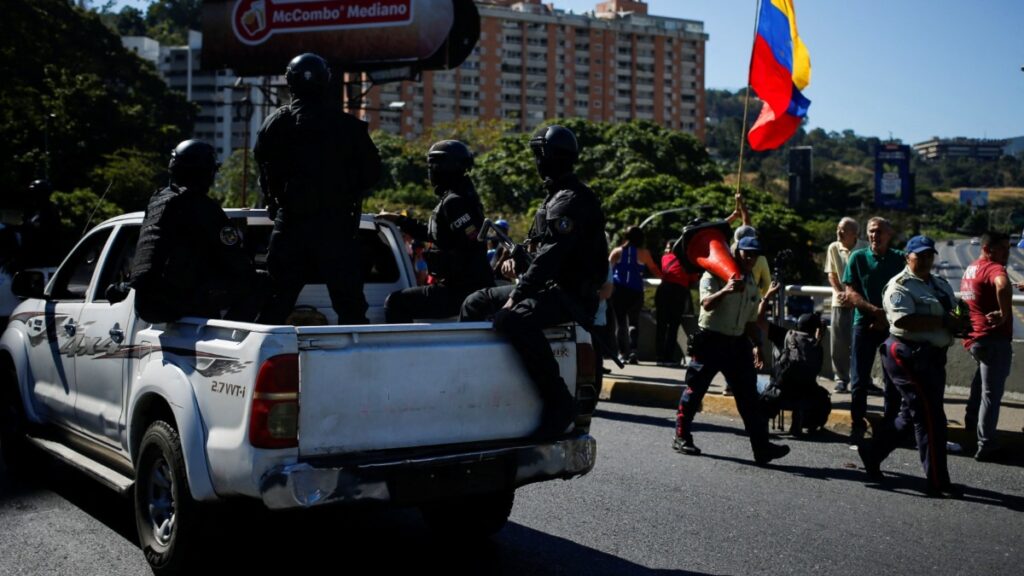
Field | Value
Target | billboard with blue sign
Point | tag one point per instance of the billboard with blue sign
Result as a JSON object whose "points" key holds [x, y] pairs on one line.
{"points": [[893, 185], [974, 198]]}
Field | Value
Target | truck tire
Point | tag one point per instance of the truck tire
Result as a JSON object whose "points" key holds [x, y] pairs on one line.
{"points": [[470, 516], [167, 518], [20, 458]]}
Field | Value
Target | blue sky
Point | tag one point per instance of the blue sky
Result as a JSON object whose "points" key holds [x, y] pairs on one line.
{"points": [[915, 68], [912, 68]]}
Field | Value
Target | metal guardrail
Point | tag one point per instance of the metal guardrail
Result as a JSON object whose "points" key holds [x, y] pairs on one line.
{"points": [[821, 292]]}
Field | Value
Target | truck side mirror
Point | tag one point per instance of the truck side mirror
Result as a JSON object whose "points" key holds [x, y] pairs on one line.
{"points": [[28, 284]]}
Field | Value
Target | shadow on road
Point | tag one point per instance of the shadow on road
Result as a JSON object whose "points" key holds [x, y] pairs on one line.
{"points": [[362, 539]]}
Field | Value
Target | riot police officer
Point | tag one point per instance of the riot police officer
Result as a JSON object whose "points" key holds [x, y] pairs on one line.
{"points": [[315, 163], [561, 282], [458, 261], [189, 259]]}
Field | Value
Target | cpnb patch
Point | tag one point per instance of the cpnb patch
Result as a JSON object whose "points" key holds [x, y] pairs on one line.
{"points": [[229, 236]]}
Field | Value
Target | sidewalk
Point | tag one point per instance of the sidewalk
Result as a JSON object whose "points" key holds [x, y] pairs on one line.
{"points": [[649, 385]]}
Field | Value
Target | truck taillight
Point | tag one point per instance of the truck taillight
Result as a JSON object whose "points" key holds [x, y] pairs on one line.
{"points": [[586, 365], [274, 422]]}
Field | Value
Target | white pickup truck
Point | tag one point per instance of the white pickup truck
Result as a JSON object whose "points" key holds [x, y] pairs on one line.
{"points": [[201, 411]]}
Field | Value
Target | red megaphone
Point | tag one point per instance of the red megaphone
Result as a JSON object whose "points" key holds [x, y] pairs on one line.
{"points": [[706, 248]]}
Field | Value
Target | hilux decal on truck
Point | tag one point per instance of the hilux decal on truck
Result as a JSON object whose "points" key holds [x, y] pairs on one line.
{"points": [[206, 363], [43, 328]]}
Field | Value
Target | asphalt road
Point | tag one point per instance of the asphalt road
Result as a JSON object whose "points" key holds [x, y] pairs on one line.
{"points": [[951, 262], [644, 510]]}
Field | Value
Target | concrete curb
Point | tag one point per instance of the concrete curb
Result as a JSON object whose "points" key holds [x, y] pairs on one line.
{"points": [[639, 393]]}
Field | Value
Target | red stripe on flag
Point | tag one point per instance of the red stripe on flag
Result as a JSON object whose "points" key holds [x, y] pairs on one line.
{"points": [[769, 79], [770, 132]]}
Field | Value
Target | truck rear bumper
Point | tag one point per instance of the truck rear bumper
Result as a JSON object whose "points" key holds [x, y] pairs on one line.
{"points": [[417, 480]]}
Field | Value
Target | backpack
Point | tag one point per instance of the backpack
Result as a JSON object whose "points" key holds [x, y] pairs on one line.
{"points": [[816, 407], [800, 360], [793, 384]]}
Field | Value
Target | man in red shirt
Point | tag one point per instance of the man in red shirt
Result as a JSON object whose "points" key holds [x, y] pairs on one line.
{"points": [[986, 289]]}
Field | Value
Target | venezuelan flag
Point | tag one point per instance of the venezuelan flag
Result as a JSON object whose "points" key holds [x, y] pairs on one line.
{"points": [[779, 69]]}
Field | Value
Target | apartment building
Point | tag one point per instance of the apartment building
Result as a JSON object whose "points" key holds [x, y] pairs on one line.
{"points": [[224, 112], [960, 147], [535, 61]]}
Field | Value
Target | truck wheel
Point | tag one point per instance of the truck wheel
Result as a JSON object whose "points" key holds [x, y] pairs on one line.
{"points": [[19, 457], [470, 516], [167, 518]]}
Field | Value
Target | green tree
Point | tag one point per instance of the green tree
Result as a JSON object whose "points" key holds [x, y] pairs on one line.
{"points": [[227, 188], [77, 90], [80, 210], [130, 177], [130, 22], [170, 20]]}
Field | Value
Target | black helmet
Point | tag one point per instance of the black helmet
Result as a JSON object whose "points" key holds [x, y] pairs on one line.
{"points": [[193, 164], [40, 189], [447, 164], [450, 157], [555, 143], [307, 74]]}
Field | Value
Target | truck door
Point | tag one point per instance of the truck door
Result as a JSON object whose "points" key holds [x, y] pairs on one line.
{"points": [[107, 330], [54, 334]]}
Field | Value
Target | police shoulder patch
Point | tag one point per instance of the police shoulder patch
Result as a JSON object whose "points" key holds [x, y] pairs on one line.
{"points": [[229, 236], [564, 225], [897, 298]]}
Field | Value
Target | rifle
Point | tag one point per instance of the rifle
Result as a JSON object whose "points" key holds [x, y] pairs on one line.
{"points": [[518, 252]]}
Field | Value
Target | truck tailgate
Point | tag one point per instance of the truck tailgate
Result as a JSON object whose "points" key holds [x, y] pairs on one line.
{"points": [[371, 388]]}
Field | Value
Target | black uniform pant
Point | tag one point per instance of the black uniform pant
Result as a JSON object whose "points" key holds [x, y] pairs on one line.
{"points": [[674, 306], [918, 371], [523, 325], [711, 353], [302, 253], [432, 301]]}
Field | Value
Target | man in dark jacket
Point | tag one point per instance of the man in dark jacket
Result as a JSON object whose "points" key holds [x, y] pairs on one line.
{"points": [[189, 260], [561, 282], [458, 261], [315, 163]]}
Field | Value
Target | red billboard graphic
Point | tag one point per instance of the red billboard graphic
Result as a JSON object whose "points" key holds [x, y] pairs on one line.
{"points": [[258, 37], [254, 21]]}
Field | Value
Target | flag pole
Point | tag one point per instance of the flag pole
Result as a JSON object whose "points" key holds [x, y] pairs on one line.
{"points": [[746, 99]]}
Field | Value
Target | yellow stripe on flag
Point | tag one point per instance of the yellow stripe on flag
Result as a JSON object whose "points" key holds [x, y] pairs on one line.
{"points": [[801, 58]]}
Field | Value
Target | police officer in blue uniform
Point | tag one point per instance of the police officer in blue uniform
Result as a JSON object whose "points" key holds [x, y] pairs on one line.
{"points": [[189, 260], [921, 310], [315, 163], [458, 261], [561, 282]]}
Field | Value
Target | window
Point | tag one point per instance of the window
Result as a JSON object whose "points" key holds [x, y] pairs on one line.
{"points": [[74, 276], [118, 267]]}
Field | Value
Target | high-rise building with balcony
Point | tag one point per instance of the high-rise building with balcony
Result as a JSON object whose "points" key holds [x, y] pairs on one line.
{"points": [[229, 111], [535, 62]]}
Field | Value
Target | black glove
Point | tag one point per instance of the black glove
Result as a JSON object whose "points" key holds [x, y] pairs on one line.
{"points": [[117, 292]]}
